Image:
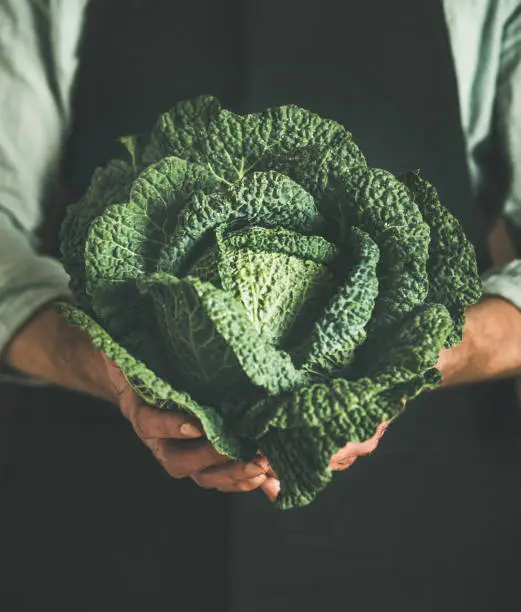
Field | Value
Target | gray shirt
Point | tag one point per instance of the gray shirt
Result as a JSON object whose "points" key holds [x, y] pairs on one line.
{"points": [[35, 108]]}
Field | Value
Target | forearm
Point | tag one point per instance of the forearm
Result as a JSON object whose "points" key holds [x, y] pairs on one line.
{"points": [[49, 349], [491, 345]]}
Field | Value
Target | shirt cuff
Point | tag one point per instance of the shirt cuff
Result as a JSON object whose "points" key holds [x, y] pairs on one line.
{"points": [[505, 282], [17, 312], [47, 282]]}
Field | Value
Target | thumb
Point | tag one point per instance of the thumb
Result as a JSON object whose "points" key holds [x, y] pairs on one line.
{"points": [[148, 422], [115, 376]]}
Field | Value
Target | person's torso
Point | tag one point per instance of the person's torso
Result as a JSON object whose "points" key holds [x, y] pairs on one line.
{"points": [[413, 522]]}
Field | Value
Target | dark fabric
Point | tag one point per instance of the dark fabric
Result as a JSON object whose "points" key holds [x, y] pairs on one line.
{"points": [[89, 521], [431, 521]]}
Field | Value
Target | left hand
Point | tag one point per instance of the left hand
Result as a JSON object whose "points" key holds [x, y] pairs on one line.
{"points": [[453, 364], [230, 477], [234, 477], [347, 455]]}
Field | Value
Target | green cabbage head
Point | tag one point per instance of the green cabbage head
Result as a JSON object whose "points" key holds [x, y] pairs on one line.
{"points": [[254, 271]]}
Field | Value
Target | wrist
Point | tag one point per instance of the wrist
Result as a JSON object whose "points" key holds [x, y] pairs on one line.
{"points": [[49, 349], [490, 347], [81, 361], [455, 363]]}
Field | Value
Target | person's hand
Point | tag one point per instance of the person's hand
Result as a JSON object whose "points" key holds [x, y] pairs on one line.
{"points": [[491, 323], [347, 455], [176, 441], [49, 349], [235, 476], [218, 476]]}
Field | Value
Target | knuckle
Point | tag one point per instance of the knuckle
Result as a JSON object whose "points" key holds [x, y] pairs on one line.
{"points": [[240, 472], [200, 481], [247, 470], [162, 429], [156, 450], [203, 483], [175, 469], [342, 463], [125, 410], [246, 485], [371, 448], [177, 472], [241, 486], [341, 457], [137, 423]]}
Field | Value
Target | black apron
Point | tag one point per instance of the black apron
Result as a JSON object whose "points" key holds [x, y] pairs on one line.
{"points": [[430, 521]]}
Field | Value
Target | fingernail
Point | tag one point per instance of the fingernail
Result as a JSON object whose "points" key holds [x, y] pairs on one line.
{"points": [[274, 489], [188, 430]]}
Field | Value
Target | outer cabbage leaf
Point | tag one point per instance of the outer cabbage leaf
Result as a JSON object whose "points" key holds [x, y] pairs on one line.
{"points": [[177, 132], [453, 274], [231, 145], [158, 392], [379, 204], [108, 185], [123, 242]]}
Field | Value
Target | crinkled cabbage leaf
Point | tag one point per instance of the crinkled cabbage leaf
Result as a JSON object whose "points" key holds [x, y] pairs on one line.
{"points": [[257, 273]]}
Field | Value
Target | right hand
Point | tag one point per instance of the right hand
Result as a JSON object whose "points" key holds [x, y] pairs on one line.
{"points": [[48, 348], [178, 443]]}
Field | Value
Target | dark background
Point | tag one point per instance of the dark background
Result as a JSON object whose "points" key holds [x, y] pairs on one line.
{"points": [[431, 521]]}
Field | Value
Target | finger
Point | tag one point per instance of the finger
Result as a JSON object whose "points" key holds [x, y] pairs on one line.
{"points": [[270, 471], [155, 446], [271, 488], [360, 448], [181, 458], [342, 463], [150, 422], [231, 473], [346, 456], [243, 486], [357, 449]]}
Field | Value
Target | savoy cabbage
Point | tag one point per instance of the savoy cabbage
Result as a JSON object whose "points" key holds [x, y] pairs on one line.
{"points": [[257, 273]]}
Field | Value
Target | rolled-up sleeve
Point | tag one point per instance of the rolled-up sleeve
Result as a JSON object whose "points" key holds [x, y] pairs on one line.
{"points": [[505, 281], [485, 37], [27, 281], [38, 41]]}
